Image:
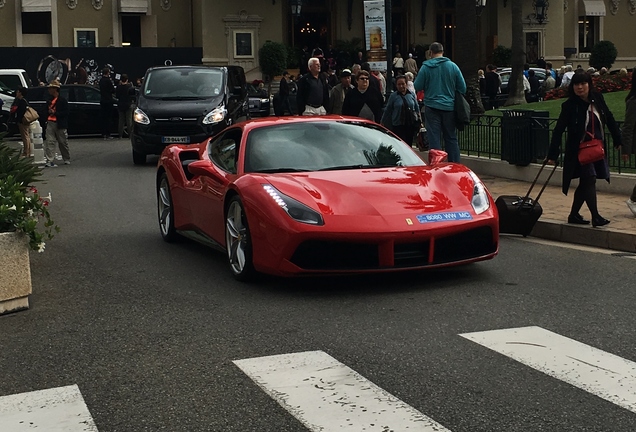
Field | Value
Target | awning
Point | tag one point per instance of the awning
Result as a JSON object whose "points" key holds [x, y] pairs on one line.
{"points": [[36, 5], [133, 6], [594, 7]]}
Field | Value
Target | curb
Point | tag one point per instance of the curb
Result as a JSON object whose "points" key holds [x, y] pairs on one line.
{"points": [[604, 238]]}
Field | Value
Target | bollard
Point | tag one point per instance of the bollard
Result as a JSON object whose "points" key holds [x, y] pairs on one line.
{"points": [[37, 143]]}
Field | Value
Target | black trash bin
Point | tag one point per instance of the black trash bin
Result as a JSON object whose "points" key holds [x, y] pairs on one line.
{"points": [[516, 137], [540, 134]]}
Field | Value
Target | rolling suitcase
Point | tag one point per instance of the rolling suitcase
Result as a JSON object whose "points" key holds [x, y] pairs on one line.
{"points": [[517, 214]]}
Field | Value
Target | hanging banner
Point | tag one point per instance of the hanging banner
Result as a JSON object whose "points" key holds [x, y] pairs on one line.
{"points": [[375, 34]]}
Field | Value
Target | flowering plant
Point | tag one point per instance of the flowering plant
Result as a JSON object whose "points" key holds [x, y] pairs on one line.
{"points": [[21, 207]]}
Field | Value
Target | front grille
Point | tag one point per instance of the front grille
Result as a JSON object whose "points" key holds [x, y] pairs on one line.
{"points": [[177, 128], [411, 254], [331, 255], [465, 245]]}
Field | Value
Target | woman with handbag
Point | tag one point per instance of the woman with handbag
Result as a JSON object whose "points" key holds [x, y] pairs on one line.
{"points": [[18, 109], [401, 114], [629, 135], [584, 115]]}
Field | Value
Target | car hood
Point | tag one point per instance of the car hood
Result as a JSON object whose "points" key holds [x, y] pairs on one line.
{"points": [[381, 192], [159, 108]]}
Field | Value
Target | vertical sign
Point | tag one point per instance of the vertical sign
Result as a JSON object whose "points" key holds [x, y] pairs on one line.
{"points": [[375, 34]]}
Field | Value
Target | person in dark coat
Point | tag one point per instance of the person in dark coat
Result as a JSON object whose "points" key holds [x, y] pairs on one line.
{"points": [[56, 125], [18, 109], [283, 95], [577, 118], [492, 82], [629, 135], [106, 102], [535, 86], [125, 93], [363, 101], [313, 91]]}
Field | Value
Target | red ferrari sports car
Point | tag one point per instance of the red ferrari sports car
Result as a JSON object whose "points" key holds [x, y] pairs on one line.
{"points": [[323, 195]]}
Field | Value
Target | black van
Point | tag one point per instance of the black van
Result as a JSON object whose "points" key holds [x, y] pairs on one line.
{"points": [[186, 104]]}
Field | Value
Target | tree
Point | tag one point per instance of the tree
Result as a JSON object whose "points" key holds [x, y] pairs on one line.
{"points": [[272, 58], [603, 55], [466, 52], [516, 95]]}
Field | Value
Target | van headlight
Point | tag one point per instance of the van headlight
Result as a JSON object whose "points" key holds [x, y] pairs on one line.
{"points": [[480, 200], [140, 117], [215, 116]]}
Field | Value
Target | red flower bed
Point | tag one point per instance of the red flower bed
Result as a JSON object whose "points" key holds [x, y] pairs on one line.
{"points": [[603, 83]]}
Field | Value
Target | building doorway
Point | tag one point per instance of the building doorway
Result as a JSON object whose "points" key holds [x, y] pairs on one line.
{"points": [[445, 25]]}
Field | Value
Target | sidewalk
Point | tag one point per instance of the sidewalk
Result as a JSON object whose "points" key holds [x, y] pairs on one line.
{"points": [[619, 234]]}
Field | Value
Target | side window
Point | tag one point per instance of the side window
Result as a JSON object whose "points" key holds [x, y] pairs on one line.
{"points": [[64, 92], [37, 94], [224, 150], [92, 95]]}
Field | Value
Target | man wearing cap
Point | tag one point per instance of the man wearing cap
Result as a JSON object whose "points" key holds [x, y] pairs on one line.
{"points": [[338, 93], [57, 123], [440, 78], [313, 91]]}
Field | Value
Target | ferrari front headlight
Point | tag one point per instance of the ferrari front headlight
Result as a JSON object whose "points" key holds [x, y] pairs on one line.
{"points": [[480, 200], [216, 115], [295, 209]]}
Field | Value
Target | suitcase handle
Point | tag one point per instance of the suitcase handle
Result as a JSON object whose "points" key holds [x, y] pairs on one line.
{"points": [[525, 199]]}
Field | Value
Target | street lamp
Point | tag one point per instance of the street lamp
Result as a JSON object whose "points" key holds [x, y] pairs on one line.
{"points": [[541, 10], [479, 6]]}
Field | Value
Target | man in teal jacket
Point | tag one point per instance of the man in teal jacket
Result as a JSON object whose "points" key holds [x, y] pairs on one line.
{"points": [[440, 78]]}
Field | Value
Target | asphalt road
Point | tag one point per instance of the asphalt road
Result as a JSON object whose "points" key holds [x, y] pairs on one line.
{"points": [[149, 330]]}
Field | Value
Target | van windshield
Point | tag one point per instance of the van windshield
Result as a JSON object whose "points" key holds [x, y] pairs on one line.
{"points": [[183, 83]]}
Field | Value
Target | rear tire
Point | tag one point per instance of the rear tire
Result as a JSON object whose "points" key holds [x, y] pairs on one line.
{"points": [[138, 158]]}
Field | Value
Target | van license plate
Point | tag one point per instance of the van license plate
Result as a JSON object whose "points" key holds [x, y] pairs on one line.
{"points": [[175, 140]]}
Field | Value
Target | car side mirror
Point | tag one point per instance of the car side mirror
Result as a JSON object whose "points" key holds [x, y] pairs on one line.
{"points": [[436, 157], [206, 169]]}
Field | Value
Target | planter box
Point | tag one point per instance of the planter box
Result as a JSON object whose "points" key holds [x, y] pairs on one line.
{"points": [[15, 272]]}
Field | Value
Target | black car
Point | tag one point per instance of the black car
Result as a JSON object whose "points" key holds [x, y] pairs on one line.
{"points": [[84, 109], [186, 104], [259, 101]]}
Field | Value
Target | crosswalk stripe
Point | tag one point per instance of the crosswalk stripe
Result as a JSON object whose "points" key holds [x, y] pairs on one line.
{"points": [[60, 409], [603, 374], [326, 395]]}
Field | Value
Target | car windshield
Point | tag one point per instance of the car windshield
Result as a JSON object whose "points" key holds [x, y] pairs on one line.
{"points": [[253, 90], [6, 89], [183, 83], [324, 145]]}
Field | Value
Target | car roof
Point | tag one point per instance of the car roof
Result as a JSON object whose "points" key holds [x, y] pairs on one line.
{"points": [[271, 121]]}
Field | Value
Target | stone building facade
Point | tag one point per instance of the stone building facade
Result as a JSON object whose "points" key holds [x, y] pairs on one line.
{"points": [[231, 31]]}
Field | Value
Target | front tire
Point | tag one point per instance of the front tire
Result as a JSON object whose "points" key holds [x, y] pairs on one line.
{"points": [[238, 242], [165, 210]]}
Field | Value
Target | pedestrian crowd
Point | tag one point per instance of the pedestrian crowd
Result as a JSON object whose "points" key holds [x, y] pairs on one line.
{"points": [[56, 146]]}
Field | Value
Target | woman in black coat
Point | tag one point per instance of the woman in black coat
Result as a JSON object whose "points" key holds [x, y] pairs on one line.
{"points": [[363, 101], [576, 118]]}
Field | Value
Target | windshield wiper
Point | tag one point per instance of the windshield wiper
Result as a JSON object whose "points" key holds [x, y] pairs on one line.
{"points": [[358, 166], [280, 170]]}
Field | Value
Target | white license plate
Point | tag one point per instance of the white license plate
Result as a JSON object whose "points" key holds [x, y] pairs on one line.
{"points": [[175, 140]]}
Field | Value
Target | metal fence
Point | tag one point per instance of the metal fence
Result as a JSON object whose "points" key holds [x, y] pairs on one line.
{"points": [[522, 137]]}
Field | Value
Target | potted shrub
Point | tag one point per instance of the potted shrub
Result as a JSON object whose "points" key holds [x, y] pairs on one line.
{"points": [[25, 223]]}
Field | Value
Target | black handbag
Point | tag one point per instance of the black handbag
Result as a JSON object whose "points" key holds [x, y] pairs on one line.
{"points": [[462, 111]]}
